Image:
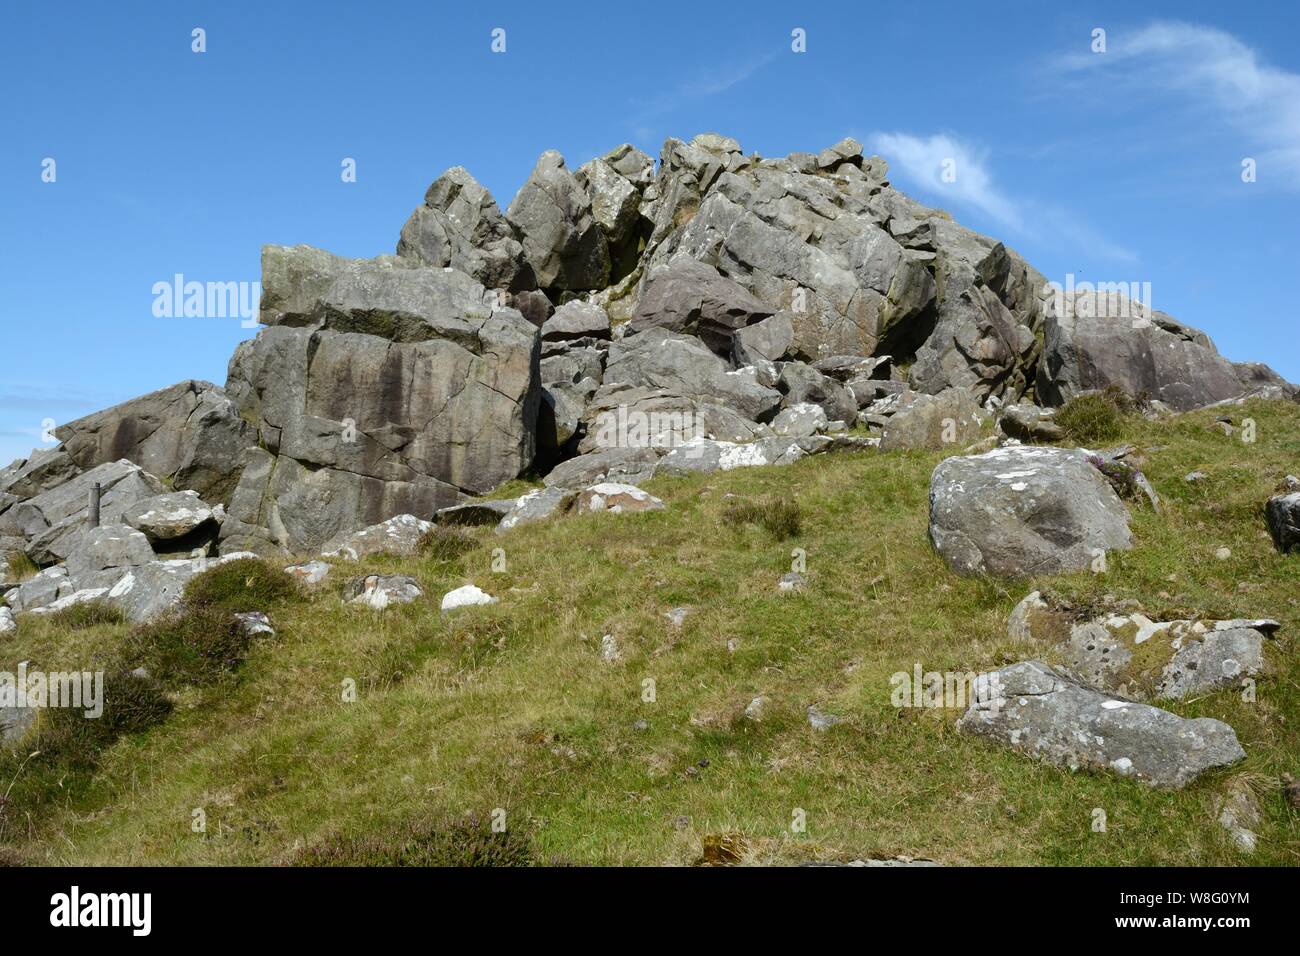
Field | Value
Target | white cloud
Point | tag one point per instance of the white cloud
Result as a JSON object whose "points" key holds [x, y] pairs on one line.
{"points": [[922, 161], [925, 161], [1217, 76]]}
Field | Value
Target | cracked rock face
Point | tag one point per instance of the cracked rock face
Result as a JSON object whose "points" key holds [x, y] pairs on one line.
{"points": [[383, 387], [189, 434], [1019, 511], [1047, 715]]}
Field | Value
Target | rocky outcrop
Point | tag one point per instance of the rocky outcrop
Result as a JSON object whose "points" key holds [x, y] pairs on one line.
{"points": [[562, 241], [1019, 511]]}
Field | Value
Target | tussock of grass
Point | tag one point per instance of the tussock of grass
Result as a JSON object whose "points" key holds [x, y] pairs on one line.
{"points": [[780, 517], [1095, 417], [21, 567], [514, 705], [424, 842], [446, 543], [88, 614], [195, 646], [247, 584]]}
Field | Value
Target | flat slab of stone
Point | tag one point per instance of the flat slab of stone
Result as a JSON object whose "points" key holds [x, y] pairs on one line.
{"points": [[399, 535], [475, 512], [1047, 715]]}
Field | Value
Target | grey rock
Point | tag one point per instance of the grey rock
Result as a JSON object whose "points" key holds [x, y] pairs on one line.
{"points": [[802, 384], [949, 419], [575, 320], [562, 240], [1282, 513], [767, 340], [682, 364], [799, 421], [626, 465], [399, 535], [1045, 714], [791, 582], [461, 227], [1030, 423], [189, 434], [254, 623], [614, 498], [378, 591], [688, 296], [109, 546], [537, 505], [170, 516], [310, 573], [46, 468], [7, 623], [1019, 511], [1105, 339]]}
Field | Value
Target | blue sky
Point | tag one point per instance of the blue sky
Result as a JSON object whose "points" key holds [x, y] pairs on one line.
{"points": [[1118, 166]]}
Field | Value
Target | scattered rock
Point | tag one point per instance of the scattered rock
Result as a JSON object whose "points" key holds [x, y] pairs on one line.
{"points": [[616, 498], [820, 720], [1239, 814], [399, 535], [677, 616], [791, 582], [310, 574], [255, 624], [7, 623], [1283, 516], [378, 591], [109, 546]]}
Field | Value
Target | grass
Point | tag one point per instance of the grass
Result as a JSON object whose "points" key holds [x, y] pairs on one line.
{"points": [[356, 736], [1095, 417], [21, 567]]}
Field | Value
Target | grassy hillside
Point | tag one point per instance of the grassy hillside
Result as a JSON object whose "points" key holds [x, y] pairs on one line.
{"points": [[513, 706]]}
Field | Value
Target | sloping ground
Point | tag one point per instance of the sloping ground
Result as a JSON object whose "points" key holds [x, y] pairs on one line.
{"points": [[513, 706]]}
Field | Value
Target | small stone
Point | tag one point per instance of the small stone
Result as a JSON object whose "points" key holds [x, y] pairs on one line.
{"points": [[677, 615], [1193, 477], [609, 648], [466, 596], [310, 574], [255, 623], [1223, 554], [641, 725], [820, 720], [791, 582], [754, 710]]}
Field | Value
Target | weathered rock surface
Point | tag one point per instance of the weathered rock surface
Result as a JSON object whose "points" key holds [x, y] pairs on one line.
{"points": [[170, 516], [949, 419], [383, 388], [466, 596], [1282, 513], [189, 434], [562, 241], [615, 498], [1018, 511], [108, 546], [460, 226], [399, 535], [1047, 715], [686, 295], [1105, 339], [378, 591]]}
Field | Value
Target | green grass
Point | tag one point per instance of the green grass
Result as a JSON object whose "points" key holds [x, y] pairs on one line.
{"points": [[1095, 417], [512, 708]]}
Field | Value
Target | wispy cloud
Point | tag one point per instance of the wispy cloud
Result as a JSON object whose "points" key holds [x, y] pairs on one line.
{"points": [[716, 79], [959, 174], [950, 168], [1222, 80]]}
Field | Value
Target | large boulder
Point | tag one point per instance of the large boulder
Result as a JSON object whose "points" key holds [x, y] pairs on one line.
{"points": [[1282, 513], [383, 387], [46, 468], [172, 516], [1045, 714], [1019, 511], [189, 434], [1096, 339], [562, 241], [460, 226], [400, 535]]}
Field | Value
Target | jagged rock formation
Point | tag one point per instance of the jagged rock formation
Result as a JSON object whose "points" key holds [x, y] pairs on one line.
{"points": [[616, 321]]}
